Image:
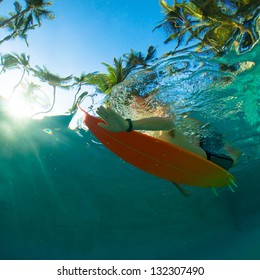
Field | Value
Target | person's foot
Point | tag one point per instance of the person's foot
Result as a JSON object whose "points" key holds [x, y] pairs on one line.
{"points": [[182, 190], [233, 152]]}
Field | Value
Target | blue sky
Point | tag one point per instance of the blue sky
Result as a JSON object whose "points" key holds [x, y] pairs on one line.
{"points": [[86, 33]]}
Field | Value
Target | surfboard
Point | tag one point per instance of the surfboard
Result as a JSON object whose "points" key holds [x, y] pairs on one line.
{"points": [[160, 158]]}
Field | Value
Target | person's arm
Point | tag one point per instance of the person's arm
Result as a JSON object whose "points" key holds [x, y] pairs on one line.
{"points": [[153, 124], [116, 123]]}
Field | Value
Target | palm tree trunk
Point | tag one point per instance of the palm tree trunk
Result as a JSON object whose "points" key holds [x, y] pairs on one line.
{"points": [[7, 38], [18, 84], [53, 103], [76, 95], [5, 22], [54, 99]]}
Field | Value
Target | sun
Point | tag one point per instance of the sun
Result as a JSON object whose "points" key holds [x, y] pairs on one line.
{"points": [[18, 108], [18, 102], [14, 104]]}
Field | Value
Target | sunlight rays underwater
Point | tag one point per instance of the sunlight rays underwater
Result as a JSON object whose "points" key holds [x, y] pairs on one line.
{"points": [[65, 196]]}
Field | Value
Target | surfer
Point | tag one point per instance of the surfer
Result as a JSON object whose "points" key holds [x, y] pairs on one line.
{"points": [[211, 147]]}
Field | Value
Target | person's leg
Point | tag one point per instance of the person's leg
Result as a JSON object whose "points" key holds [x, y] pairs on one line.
{"points": [[233, 152], [181, 189], [176, 137]]}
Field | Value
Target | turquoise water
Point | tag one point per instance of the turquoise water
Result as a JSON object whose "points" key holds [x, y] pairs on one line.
{"points": [[64, 196]]}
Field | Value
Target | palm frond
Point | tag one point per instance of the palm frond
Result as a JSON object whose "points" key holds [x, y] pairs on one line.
{"points": [[212, 23], [18, 7], [9, 61], [99, 80], [151, 53], [52, 79]]}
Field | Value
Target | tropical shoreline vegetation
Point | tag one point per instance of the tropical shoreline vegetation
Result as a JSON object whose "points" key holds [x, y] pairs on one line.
{"points": [[23, 19], [218, 26]]}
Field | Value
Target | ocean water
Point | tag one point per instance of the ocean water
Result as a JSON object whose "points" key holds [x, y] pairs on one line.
{"points": [[65, 196]]}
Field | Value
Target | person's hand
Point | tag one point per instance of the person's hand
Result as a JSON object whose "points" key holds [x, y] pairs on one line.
{"points": [[113, 121]]}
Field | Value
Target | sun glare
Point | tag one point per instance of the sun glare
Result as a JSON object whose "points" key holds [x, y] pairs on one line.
{"points": [[15, 106], [18, 109]]}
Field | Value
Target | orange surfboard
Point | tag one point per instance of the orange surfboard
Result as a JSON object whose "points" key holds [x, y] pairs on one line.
{"points": [[160, 158]]}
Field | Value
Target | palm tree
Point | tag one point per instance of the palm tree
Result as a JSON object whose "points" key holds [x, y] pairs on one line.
{"points": [[29, 93], [30, 96], [12, 61], [8, 62], [17, 29], [23, 62], [53, 80], [77, 101], [209, 23], [104, 82], [134, 59], [100, 80], [117, 73], [35, 10], [79, 82]]}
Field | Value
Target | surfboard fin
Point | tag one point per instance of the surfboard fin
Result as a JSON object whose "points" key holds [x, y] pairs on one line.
{"points": [[233, 182], [214, 190], [230, 187]]}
